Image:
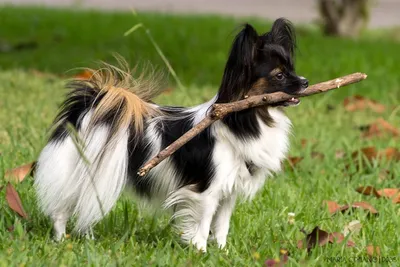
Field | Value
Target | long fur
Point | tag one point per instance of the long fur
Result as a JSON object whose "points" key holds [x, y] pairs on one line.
{"points": [[108, 127]]}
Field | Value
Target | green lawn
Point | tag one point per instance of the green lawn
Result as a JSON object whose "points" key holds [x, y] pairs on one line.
{"points": [[197, 48]]}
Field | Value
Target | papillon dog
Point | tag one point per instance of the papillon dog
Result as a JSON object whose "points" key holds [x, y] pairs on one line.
{"points": [[108, 127]]}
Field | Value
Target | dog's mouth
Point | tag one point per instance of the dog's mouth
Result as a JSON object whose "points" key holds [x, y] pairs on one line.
{"points": [[291, 102]]}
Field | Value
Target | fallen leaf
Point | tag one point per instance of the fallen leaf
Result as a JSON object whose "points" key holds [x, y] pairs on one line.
{"points": [[358, 102], [389, 153], [368, 190], [392, 193], [339, 154], [84, 75], [379, 128], [19, 173], [317, 155], [14, 201], [316, 237], [371, 154], [373, 250], [336, 237], [352, 227], [321, 238], [388, 192], [293, 161], [303, 142], [365, 206], [385, 174], [333, 207], [339, 238]]}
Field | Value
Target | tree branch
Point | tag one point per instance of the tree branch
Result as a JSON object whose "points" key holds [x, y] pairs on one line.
{"points": [[221, 110]]}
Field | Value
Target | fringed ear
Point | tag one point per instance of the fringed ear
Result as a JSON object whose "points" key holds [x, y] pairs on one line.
{"points": [[282, 33], [239, 67], [244, 47]]}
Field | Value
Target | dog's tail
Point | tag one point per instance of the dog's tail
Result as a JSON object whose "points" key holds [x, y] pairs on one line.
{"points": [[83, 168]]}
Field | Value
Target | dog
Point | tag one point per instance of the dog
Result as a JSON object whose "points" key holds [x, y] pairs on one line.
{"points": [[108, 127]]}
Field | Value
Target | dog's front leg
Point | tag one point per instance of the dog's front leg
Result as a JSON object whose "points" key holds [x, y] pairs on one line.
{"points": [[195, 215], [221, 220]]}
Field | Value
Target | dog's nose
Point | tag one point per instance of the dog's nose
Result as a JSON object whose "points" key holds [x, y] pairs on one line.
{"points": [[304, 82]]}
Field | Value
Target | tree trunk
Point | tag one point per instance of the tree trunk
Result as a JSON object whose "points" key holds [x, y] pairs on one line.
{"points": [[344, 17]]}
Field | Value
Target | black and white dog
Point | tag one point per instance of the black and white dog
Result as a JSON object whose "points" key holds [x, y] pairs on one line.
{"points": [[117, 128]]}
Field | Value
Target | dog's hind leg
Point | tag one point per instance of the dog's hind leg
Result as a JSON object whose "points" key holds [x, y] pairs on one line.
{"points": [[59, 224], [54, 182]]}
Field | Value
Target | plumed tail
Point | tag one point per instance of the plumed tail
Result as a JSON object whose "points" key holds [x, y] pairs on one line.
{"points": [[83, 169], [114, 96]]}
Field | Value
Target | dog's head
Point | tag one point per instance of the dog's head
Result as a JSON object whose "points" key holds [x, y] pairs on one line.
{"points": [[260, 64]]}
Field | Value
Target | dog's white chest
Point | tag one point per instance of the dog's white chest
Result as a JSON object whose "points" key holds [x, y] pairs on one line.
{"points": [[243, 165]]}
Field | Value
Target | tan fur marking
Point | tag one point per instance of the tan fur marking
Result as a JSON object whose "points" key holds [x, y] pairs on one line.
{"points": [[275, 71], [130, 96], [258, 87]]}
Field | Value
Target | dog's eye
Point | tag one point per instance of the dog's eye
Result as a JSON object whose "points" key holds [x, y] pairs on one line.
{"points": [[279, 76]]}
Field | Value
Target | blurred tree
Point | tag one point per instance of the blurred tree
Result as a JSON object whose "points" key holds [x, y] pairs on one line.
{"points": [[344, 17]]}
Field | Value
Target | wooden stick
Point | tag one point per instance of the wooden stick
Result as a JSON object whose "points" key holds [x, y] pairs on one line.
{"points": [[219, 111]]}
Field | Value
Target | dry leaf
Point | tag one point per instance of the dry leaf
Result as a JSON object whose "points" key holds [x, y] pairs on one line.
{"points": [[365, 206], [84, 75], [368, 190], [379, 128], [14, 201], [389, 153], [392, 193], [320, 237], [317, 155], [339, 154], [303, 142], [19, 173], [339, 238], [316, 237], [293, 161], [333, 207], [353, 228], [358, 102], [370, 154], [385, 174], [373, 251]]}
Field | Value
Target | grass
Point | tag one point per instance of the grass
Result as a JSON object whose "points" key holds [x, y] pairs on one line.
{"points": [[197, 47]]}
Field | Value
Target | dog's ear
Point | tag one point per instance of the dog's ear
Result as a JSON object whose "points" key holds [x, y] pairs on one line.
{"points": [[282, 33], [244, 46]]}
